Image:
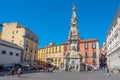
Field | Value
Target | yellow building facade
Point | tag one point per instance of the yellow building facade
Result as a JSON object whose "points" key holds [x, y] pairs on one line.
{"points": [[51, 54], [25, 38]]}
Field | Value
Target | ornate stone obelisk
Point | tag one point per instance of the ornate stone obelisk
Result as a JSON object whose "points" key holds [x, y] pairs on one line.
{"points": [[73, 58]]}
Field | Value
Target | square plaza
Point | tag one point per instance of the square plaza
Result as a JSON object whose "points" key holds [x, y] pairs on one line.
{"points": [[98, 75]]}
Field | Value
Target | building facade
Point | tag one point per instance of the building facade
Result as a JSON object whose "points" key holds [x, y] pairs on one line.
{"points": [[90, 52], [1, 30], [103, 56], [113, 43], [89, 49], [16, 33], [9, 53], [0, 35], [52, 54]]}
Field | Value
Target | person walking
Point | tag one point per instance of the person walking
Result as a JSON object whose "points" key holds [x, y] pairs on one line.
{"points": [[19, 72], [13, 71], [107, 70], [44, 68], [93, 69]]}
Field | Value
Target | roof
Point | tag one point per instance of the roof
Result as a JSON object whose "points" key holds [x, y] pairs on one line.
{"points": [[65, 43], [9, 44], [83, 41], [89, 40]]}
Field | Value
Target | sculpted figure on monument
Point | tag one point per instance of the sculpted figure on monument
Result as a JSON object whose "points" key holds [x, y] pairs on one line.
{"points": [[73, 20]]}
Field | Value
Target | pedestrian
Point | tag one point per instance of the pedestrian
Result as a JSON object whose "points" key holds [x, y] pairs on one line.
{"points": [[111, 72], [19, 72], [93, 69], [44, 68], [107, 70], [13, 71]]}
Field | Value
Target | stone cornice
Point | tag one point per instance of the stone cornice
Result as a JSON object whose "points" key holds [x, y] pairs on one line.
{"points": [[114, 20]]}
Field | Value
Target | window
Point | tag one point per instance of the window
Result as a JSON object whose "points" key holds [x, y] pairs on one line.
{"points": [[86, 46], [12, 36], [46, 50], [35, 51], [11, 53], [86, 61], [31, 45], [94, 55], [49, 50], [3, 52], [32, 38], [55, 49], [94, 61], [26, 49], [31, 51], [116, 35], [27, 42], [27, 34], [65, 48], [52, 49], [17, 54], [59, 48], [93, 45], [86, 55]]}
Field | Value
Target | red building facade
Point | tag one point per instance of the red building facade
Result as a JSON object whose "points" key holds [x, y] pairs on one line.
{"points": [[89, 49]]}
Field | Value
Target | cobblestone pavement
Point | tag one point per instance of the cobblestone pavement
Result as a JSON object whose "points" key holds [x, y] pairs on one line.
{"points": [[64, 76]]}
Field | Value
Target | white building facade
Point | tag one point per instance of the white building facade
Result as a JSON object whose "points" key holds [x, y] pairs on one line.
{"points": [[25, 38], [113, 43], [9, 53]]}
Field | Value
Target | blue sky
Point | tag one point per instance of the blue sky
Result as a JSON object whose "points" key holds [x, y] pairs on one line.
{"points": [[50, 19]]}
